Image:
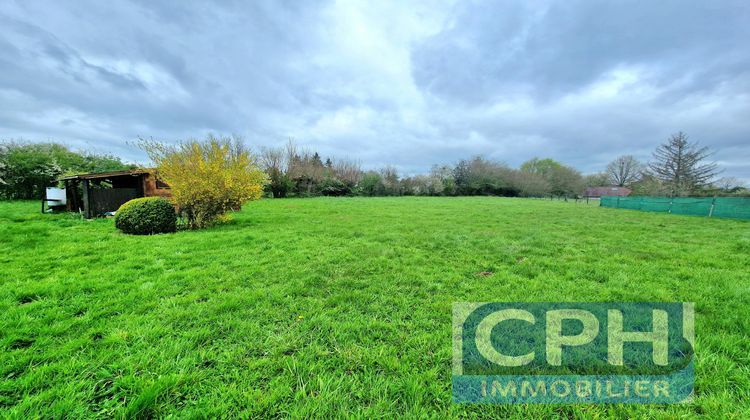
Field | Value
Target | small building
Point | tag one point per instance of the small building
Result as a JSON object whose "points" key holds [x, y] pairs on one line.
{"points": [[96, 194], [599, 192]]}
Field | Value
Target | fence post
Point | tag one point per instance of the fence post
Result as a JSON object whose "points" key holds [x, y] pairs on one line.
{"points": [[671, 200], [618, 202], [713, 204], [86, 199]]}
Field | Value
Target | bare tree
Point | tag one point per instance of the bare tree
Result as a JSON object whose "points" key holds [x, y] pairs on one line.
{"points": [[444, 173], [348, 171], [292, 155], [531, 185], [562, 179], [390, 180], [682, 165], [304, 168], [624, 170], [729, 184], [273, 159]]}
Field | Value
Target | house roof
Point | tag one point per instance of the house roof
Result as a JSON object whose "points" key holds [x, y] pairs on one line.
{"points": [[110, 174], [607, 191]]}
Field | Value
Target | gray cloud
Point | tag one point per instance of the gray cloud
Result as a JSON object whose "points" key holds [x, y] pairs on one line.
{"points": [[385, 83], [549, 50]]}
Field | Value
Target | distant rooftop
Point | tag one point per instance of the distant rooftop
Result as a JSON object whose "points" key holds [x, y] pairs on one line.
{"points": [[607, 191]]}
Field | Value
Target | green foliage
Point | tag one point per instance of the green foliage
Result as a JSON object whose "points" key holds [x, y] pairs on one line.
{"points": [[302, 173], [279, 184], [146, 216], [324, 308], [334, 187], [479, 176], [370, 185], [543, 167], [390, 182], [650, 185], [26, 169], [600, 179], [563, 180]]}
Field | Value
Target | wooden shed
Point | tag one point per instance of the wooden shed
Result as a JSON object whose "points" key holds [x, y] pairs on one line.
{"points": [[95, 194]]}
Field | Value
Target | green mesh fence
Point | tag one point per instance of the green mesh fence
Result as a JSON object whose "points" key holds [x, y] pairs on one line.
{"points": [[731, 207]]}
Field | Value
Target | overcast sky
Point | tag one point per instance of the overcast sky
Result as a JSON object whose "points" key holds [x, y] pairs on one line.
{"points": [[383, 82]]}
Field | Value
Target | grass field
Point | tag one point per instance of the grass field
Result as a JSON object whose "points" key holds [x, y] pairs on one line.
{"points": [[328, 307]]}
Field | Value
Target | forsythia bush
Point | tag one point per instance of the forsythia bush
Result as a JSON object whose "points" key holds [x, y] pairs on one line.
{"points": [[146, 216], [207, 178]]}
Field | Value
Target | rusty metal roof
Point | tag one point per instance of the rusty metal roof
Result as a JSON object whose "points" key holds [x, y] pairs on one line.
{"points": [[607, 191], [110, 174]]}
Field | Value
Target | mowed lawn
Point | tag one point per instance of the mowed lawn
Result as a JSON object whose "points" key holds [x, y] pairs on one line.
{"points": [[341, 306]]}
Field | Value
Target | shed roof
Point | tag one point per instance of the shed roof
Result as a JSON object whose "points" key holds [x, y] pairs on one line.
{"points": [[607, 191], [110, 174]]}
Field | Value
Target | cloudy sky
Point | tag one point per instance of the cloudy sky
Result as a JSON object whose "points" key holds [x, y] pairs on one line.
{"points": [[383, 82]]}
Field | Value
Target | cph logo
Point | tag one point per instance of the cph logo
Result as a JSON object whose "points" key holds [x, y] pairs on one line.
{"points": [[535, 352]]}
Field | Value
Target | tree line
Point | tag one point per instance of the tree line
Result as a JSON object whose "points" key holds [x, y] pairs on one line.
{"points": [[26, 169], [678, 167], [298, 172]]}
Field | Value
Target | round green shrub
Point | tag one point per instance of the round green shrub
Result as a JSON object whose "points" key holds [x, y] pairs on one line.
{"points": [[146, 216]]}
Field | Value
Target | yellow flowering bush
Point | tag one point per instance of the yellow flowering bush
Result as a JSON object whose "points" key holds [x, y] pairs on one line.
{"points": [[207, 178]]}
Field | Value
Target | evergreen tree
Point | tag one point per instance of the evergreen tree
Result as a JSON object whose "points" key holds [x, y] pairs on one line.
{"points": [[682, 165]]}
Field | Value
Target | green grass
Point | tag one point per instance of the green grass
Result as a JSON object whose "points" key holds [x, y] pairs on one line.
{"points": [[328, 307]]}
